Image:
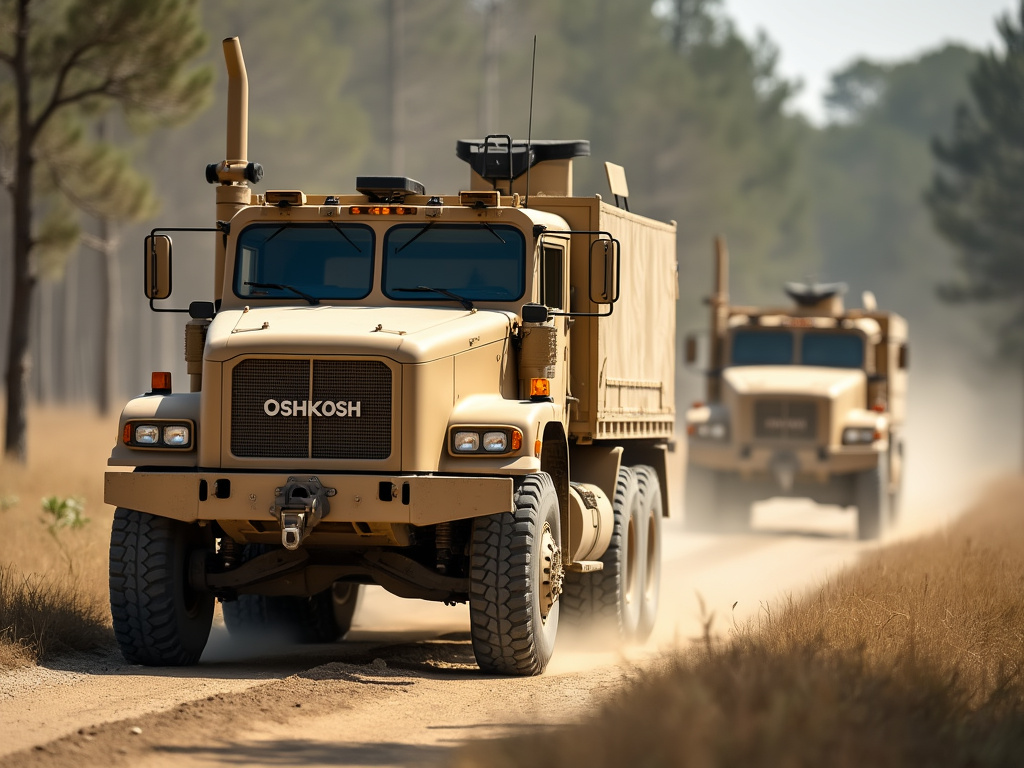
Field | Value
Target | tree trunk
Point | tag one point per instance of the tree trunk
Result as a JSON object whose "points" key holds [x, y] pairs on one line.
{"points": [[24, 280], [108, 362]]}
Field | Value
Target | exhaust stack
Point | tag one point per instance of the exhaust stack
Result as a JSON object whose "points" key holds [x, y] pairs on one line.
{"points": [[238, 102], [719, 302], [231, 174]]}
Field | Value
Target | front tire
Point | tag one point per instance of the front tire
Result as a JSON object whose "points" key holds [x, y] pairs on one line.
{"points": [[159, 620], [515, 581], [871, 493]]}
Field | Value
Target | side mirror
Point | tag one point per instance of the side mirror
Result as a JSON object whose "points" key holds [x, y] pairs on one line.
{"points": [[157, 259], [604, 271], [535, 313], [904, 357]]}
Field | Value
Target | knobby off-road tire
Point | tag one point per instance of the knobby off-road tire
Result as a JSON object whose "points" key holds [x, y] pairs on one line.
{"points": [[607, 602], [320, 618], [159, 620], [871, 495], [649, 490], [515, 579]]}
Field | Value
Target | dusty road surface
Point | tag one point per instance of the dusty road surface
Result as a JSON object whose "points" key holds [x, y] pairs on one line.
{"points": [[403, 688]]}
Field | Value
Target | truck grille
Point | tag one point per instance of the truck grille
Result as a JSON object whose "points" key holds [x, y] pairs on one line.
{"points": [[785, 420], [317, 409]]}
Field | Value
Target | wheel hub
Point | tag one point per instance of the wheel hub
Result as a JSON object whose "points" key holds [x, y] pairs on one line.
{"points": [[552, 572]]}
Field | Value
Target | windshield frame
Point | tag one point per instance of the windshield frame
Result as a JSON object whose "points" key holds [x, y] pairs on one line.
{"points": [[277, 228], [499, 233]]}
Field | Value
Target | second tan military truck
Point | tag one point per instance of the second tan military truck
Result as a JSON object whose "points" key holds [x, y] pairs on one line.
{"points": [[807, 400], [464, 398]]}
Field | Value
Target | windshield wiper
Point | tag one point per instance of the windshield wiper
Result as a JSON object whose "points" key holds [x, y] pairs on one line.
{"points": [[443, 291], [280, 287], [341, 232], [415, 237], [492, 230]]}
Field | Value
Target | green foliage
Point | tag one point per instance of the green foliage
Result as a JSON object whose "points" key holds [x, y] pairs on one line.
{"points": [[8, 501], [64, 512], [867, 169], [975, 195]]}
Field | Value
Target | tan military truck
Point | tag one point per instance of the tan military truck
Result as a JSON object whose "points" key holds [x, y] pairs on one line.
{"points": [[801, 401], [458, 397]]}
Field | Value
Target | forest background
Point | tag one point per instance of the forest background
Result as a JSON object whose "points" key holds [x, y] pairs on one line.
{"points": [[697, 114]]}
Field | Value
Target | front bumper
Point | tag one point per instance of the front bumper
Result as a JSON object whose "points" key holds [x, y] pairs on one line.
{"points": [[411, 499], [811, 464]]}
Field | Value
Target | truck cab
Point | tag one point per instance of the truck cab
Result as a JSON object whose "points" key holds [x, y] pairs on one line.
{"points": [[400, 387], [801, 401]]}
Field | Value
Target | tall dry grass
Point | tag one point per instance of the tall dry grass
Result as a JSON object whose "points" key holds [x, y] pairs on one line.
{"points": [[53, 583], [914, 658]]}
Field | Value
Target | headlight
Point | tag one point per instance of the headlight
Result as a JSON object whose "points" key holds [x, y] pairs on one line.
{"points": [[176, 435], [713, 430], [484, 440], [158, 434], [466, 442], [495, 442], [860, 435]]}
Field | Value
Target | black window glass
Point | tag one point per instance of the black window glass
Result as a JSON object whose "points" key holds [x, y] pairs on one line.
{"points": [[321, 260], [762, 348], [835, 350], [481, 263]]}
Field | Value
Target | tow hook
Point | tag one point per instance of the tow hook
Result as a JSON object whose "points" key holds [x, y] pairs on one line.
{"points": [[299, 505]]}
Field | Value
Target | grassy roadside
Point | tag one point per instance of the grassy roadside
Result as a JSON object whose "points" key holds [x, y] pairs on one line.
{"points": [[53, 577], [915, 657]]}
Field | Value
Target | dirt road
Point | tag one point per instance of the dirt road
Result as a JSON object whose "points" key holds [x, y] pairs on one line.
{"points": [[403, 688]]}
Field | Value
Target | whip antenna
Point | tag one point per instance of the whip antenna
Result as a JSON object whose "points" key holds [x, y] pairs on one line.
{"points": [[529, 125]]}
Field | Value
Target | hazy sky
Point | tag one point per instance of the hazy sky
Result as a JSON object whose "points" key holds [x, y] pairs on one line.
{"points": [[818, 37]]}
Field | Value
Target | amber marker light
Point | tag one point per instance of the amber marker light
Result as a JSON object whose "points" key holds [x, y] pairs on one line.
{"points": [[381, 210], [517, 439], [126, 436], [536, 448], [161, 383]]}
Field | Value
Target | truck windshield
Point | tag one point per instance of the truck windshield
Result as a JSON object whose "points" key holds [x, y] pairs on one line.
{"points": [[762, 348], [322, 261], [835, 350], [478, 262]]}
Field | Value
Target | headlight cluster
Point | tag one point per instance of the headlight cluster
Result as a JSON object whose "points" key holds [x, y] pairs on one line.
{"points": [[711, 430], [471, 441], [158, 434], [860, 435]]}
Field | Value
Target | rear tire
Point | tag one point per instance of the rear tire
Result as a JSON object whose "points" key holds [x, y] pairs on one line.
{"points": [[608, 601], [515, 581], [321, 618], [159, 620], [650, 517]]}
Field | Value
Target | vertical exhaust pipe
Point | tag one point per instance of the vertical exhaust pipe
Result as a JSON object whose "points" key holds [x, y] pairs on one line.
{"points": [[232, 174], [238, 102], [719, 319]]}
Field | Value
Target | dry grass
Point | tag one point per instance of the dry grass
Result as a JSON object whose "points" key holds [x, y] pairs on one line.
{"points": [[53, 585], [916, 657]]}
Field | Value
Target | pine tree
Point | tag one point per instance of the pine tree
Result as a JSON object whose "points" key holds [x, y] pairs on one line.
{"points": [[66, 63], [977, 192]]}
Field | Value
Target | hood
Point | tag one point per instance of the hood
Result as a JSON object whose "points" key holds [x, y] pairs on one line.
{"points": [[793, 380], [404, 334]]}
